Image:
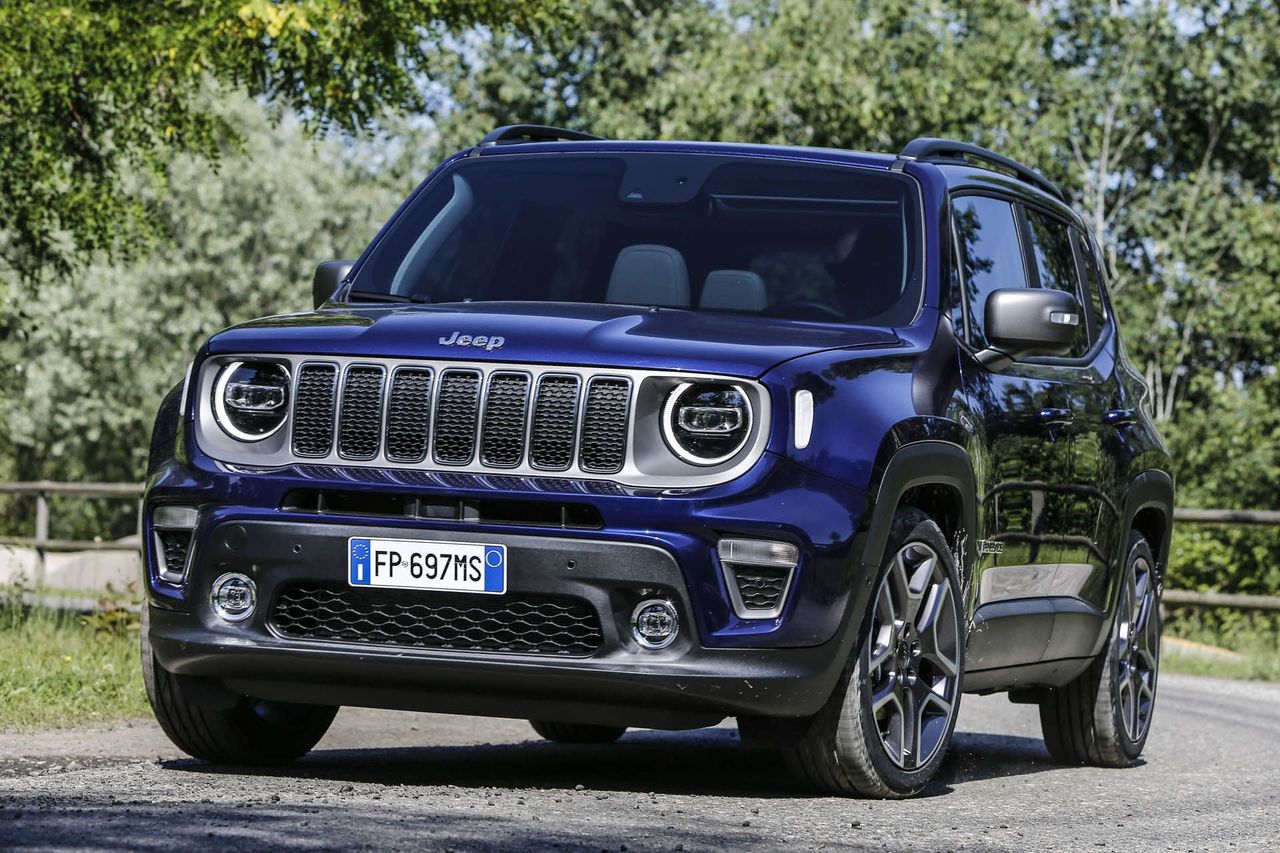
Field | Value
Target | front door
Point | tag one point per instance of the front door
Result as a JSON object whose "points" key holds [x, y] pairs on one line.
{"points": [[1025, 417]]}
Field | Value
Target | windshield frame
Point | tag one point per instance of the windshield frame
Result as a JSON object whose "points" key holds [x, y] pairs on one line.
{"points": [[798, 156]]}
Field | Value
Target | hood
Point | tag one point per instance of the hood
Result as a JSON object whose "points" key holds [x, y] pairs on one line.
{"points": [[549, 333]]}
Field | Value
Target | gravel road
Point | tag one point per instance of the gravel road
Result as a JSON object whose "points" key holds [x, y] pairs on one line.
{"points": [[389, 780]]}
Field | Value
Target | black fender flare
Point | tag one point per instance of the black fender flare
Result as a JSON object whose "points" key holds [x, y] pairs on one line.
{"points": [[929, 461], [1152, 489]]}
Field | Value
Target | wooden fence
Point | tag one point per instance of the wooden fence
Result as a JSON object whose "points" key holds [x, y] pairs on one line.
{"points": [[44, 489]]}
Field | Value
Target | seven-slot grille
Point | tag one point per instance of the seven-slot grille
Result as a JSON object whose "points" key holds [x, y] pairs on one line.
{"points": [[461, 416]]}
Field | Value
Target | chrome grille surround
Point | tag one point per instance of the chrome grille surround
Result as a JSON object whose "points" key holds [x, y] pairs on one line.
{"points": [[541, 417]]}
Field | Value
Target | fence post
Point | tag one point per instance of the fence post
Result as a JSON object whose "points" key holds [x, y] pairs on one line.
{"points": [[42, 535]]}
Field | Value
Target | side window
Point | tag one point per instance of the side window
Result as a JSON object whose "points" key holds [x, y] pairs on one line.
{"points": [[1056, 267], [1093, 283], [986, 231]]}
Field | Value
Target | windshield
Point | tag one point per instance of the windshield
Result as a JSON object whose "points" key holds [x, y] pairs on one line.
{"points": [[695, 232]]}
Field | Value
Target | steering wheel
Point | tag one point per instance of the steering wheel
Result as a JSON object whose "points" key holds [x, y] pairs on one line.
{"points": [[804, 309]]}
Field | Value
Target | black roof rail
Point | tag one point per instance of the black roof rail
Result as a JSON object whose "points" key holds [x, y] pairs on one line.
{"points": [[513, 133], [930, 148]]}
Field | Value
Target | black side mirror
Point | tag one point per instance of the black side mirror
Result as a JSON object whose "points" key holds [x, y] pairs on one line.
{"points": [[326, 280], [1024, 322]]}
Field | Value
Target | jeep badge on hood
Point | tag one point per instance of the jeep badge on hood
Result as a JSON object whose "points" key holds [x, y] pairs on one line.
{"points": [[488, 342]]}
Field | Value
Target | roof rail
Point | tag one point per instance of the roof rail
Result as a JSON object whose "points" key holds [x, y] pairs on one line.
{"points": [[514, 133], [929, 148]]}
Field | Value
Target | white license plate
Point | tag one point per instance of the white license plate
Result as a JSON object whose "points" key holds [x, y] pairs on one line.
{"points": [[415, 564]]}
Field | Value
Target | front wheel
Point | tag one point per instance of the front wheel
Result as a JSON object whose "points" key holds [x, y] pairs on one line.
{"points": [[1104, 716], [244, 730], [885, 729]]}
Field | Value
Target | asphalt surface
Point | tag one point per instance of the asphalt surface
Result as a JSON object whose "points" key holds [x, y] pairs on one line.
{"points": [[390, 780]]}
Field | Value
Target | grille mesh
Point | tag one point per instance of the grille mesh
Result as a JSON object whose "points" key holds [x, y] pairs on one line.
{"points": [[457, 411], [360, 419], [412, 413], [409, 415], [604, 426], [555, 419], [313, 410], [503, 426], [174, 545], [759, 587], [508, 623]]}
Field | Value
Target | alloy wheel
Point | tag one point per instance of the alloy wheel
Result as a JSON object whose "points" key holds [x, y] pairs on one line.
{"points": [[912, 649], [1137, 649]]}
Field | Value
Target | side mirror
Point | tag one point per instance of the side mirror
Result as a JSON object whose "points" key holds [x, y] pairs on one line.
{"points": [[1028, 321], [326, 280]]}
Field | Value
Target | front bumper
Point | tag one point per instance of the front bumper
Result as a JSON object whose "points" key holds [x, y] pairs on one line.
{"points": [[684, 685]]}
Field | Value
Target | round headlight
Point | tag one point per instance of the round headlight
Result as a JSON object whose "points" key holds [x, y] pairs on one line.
{"points": [[706, 423], [251, 399]]}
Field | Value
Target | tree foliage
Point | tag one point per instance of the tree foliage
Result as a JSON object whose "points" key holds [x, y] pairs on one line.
{"points": [[106, 344], [90, 89]]}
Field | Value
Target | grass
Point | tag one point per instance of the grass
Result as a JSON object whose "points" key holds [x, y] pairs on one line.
{"points": [[1255, 637], [60, 669]]}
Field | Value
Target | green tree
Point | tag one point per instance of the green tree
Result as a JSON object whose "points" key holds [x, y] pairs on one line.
{"points": [[107, 343], [90, 89]]}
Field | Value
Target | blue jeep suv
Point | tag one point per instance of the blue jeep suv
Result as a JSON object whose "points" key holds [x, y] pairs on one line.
{"points": [[612, 433]]}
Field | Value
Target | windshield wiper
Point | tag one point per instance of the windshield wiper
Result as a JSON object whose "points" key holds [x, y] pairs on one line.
{"points": [[380, 296]]}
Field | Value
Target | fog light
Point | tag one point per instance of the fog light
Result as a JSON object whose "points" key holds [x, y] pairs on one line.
{"points": [[233, 597], [654, 624]]}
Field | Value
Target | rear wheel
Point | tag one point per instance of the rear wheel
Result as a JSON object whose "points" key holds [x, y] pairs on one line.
{"points": [[884, 731], [1104, 716], [577, 732], [240, 730]]}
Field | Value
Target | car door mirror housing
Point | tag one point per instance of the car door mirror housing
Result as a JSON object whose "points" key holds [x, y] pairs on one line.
{"points": [[326, 280], [1024, 322]]}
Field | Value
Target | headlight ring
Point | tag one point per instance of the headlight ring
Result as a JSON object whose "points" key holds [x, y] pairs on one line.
{"points": [[707, 423], [251, 399]]}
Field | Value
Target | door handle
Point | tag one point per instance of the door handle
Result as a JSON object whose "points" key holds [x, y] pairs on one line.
{"points": [[1119, 417], [1055, 416]]}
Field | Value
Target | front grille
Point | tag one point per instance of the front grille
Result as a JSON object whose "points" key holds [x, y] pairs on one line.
{"points": [[604, 426], [313, 409], [409, 415], [760, 587], [360, 418], [457, 412], [555, 420], [503, 425], [507, 623], [462, 416]]}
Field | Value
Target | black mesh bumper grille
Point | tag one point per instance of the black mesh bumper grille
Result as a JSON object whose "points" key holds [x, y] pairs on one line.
{"points": [[506, 623], [760, 587]]}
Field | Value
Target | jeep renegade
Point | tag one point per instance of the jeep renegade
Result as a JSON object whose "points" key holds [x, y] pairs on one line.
{"points": [[609, 434]]}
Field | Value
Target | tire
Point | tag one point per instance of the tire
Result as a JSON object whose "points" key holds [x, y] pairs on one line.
{"points": [[1104, 716], [577, 732], [908, 662], [243, 730]]}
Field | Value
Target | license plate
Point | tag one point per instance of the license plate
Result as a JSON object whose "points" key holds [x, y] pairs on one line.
{"points": [[438, 566]]}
